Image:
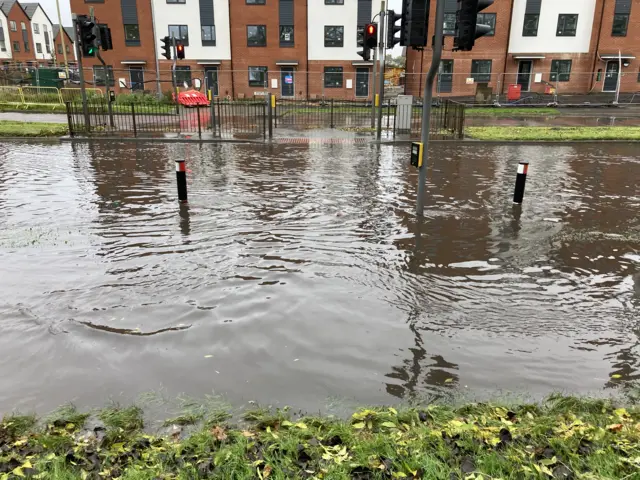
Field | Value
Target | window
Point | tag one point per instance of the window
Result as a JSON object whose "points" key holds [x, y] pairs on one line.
{"points": [[208, 35], [99, 77], [47, 47], [180, 32], [334, 2], [481, 70], [60, 49], [620, 22], [39, 47], [183, 75], [258, 77], [16, 46], [176, 1], [67, 49], [530, 28], [449, 24], [3, 45], [23, 26], [256, 2], [488, 19], [256, 35], [26, 46], [333, 77], [44, 27], [567, 25], [36, 28], [12, 26], [132, 34], [286, 36], [560, 71], [333, 36]]}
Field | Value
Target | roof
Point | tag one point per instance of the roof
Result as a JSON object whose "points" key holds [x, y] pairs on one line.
{"points": [[30, 8], [56, 31], [70, 32], [6, 5]]}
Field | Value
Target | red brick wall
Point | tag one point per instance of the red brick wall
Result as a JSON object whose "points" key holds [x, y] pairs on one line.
{"points": [[492, 48], [608, 44], [18, 15], [316, 80], [68, 44], [244, 56], [111, 14]]}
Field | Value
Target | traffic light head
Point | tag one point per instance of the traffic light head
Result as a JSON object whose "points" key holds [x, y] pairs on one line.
{"points": [[105, 37], [371, 35], [179, 51], [467, 27], [415, 21], [365, 53], [392, 29], [166, 47], [86, 28]]}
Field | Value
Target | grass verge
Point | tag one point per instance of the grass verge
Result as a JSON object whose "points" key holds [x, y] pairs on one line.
{"points": [[32, 129], [511, 112], [561, 438], [553, 133]]}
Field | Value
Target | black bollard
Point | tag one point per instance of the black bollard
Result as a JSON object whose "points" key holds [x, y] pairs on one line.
{"points": [[521, 180], [181, 178]]}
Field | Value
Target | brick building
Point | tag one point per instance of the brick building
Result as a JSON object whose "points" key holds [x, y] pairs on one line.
{"points": [[68, 47], [19, 35], [239, 48], [541, 45]]}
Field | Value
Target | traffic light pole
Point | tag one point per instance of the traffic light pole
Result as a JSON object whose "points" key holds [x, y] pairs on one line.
{"points": [[108, 88], [83, 91], [381, 50], [174, 55], [373, 87], [426, 103]]}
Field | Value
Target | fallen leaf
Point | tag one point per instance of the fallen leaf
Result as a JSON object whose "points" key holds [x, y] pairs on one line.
{"points": [[616, 375], [208, 356], [616, 427], [358, 425], [301, 426], [219, 433], [448, 380], [393, 410], [247, 434], [266, 472], [389, 425]]}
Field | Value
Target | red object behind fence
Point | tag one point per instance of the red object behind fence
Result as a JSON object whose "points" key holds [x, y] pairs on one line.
{"points": [[514, 92], [192, 98]]}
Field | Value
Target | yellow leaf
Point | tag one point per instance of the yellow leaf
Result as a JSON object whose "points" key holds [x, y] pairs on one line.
{"points": [[266, 472], [301, 426], [393, 410], [286, 423], [389, 425], [358, 425], [18, 472], [621, 412], [616, 375], [51, 456], [208, 356], [448, 380], [27, 464]]}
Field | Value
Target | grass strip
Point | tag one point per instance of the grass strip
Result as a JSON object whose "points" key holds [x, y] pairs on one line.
{"points": [[562, 438], [32, 129], [552, 133]]}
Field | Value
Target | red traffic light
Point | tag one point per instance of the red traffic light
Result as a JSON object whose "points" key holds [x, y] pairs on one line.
{"points": [[180, 51], [371, 35]]}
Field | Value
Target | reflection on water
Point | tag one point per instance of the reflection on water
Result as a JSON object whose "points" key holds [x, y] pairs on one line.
{"points": [[299, 273]]}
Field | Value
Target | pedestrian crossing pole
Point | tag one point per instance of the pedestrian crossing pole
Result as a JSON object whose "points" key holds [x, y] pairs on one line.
{"points": [[426, 104]]}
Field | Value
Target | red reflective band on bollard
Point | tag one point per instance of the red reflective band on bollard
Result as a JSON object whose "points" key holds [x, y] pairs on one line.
{"points": [[521, 180], [181, 179]]}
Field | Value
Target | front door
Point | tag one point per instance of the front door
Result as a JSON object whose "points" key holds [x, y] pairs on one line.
{"points": [[287, 82], [362, 82], [445, 79], [211, 80], [136, 75], [611, 76], [524, 74]]}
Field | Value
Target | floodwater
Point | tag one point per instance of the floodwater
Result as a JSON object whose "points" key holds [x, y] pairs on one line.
{"points": [[299, 274]]}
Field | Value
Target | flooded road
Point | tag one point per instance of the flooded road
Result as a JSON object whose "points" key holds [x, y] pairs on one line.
{"points": [[299, 274]]}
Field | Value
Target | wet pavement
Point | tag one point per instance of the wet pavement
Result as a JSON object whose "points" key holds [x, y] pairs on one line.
{"points": [[555, 121], [33, 117], [299, 274]]}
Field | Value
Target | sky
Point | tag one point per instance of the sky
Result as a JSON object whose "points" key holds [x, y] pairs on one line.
{"points": [[65, 10]]}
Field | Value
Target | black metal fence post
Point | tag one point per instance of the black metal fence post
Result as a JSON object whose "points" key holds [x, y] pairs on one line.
{"points": [[332, 125], [213, 117], [68, 105], [133, 119], [199, 125], [271, 99], [264, 121]]}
